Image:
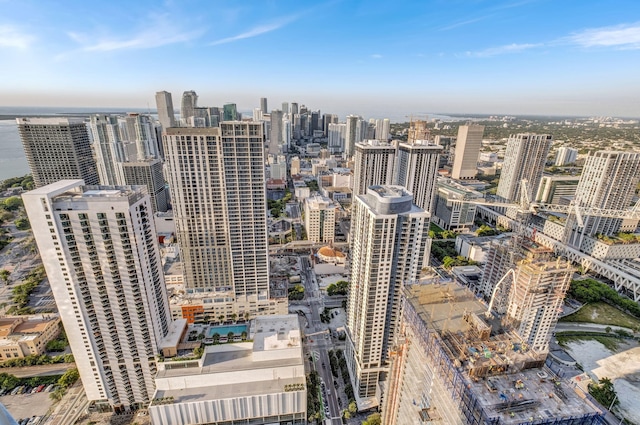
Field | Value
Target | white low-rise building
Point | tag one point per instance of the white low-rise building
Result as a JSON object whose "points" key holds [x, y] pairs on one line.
{"points": [[258, 382]]}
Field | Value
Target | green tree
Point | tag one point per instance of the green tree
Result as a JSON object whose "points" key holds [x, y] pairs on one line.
{"points": [[604, 393], [373, 419], [69, 378], [216, 338], [12, 203], [22, 223], [4, 275]]}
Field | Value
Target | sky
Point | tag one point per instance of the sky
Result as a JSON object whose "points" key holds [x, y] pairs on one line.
{"points": [[375, 58]]}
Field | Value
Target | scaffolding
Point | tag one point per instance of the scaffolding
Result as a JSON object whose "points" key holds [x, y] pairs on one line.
{"points": [[490, 379]]}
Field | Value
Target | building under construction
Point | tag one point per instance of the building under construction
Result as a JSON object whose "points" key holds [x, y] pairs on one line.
{"points": [[453, 364]]}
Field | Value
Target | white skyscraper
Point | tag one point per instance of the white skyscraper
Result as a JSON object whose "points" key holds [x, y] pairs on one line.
{"points": [[524, 158], [388, 246], [373, 165], [417, 170], [320, 218], [566, 156], [609, 181], [107, 148], [140, 130], [164, 105], [468, 146], [337, 136], [99, 248], [217, 182]]}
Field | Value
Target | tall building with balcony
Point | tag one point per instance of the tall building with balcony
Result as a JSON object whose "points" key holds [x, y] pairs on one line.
{"points": [[468, 144], [417, 170], [320, 219], [217, 182], [389, 244], [99, 249], [566, 156], [108, 148], [148, 173], [608, 181], [524, 158], [57, 149], [373, 165]]}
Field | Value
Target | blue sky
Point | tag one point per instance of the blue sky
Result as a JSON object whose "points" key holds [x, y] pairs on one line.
{"points": [[375, 58]]}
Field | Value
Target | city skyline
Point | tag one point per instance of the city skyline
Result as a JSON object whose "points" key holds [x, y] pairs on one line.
{"points": [[575, 59]]}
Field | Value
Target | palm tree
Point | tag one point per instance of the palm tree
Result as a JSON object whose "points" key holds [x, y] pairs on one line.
{"points": [[233, 317], [221, 318], [244, 335], [230, 335], [215, 337]]}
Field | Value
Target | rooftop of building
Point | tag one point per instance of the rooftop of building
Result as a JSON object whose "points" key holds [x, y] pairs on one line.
{"points": [[508, 380], [49, 121], [389, 191], [317, 202], [239, 389], [329, 251], [25, 325]]}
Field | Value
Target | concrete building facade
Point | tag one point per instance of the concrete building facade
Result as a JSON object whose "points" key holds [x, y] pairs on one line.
{"points": [[524, 158], [374, 162], [100, 251], [468, 146], [389, 243], [417, 170], [164, 105], [57, 149], [320, 219]]}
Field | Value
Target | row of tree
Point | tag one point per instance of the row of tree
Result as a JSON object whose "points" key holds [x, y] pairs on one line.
{"points": [[590, 290]]}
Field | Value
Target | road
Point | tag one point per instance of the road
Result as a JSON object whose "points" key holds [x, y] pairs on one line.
{"points": [[321, 342]]}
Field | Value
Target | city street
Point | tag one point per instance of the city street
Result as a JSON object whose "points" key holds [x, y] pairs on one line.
{"points": [[319, 341]]}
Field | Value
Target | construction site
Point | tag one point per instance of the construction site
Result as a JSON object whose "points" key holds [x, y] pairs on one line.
{"points": [[454, 363]]}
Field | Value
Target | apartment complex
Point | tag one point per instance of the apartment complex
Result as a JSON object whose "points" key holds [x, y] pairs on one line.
{"points": [[148, 173], [217, 182], [524, 158], [320, 219], [373, 165], [57, 149], [99, 248], [164, 105], [389, 245], [417, 170]]}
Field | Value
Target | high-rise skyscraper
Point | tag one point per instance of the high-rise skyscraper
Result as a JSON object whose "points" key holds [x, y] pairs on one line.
{"points": [[99, 249], [388, 246], [566, 156], [320, 218], [352, 135], [140, 129], [373, 165], [468, 146], [263, 105], [294, 108], [337, 137], [229, 112], [275, 137], [608, 180], [285, 108], [164, 105], [524, 158], [148, 172], [57, 149], [417, 170], [217, 182], [535, 300], [107, 148], [188, 105]]}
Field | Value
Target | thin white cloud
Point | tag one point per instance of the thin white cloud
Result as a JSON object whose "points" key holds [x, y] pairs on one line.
{"points": [[376, 56], [502, 50], [159, 31], [11, 36], [625, 36], [254, 32], [463, 23]]}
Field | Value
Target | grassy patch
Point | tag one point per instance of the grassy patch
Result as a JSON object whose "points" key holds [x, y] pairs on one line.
{"points": [[604, 314], [434, 227], [610, 342]]}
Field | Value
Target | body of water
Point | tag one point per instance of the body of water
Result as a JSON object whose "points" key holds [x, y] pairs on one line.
{"points": [[225, 329], [13, 162]]}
